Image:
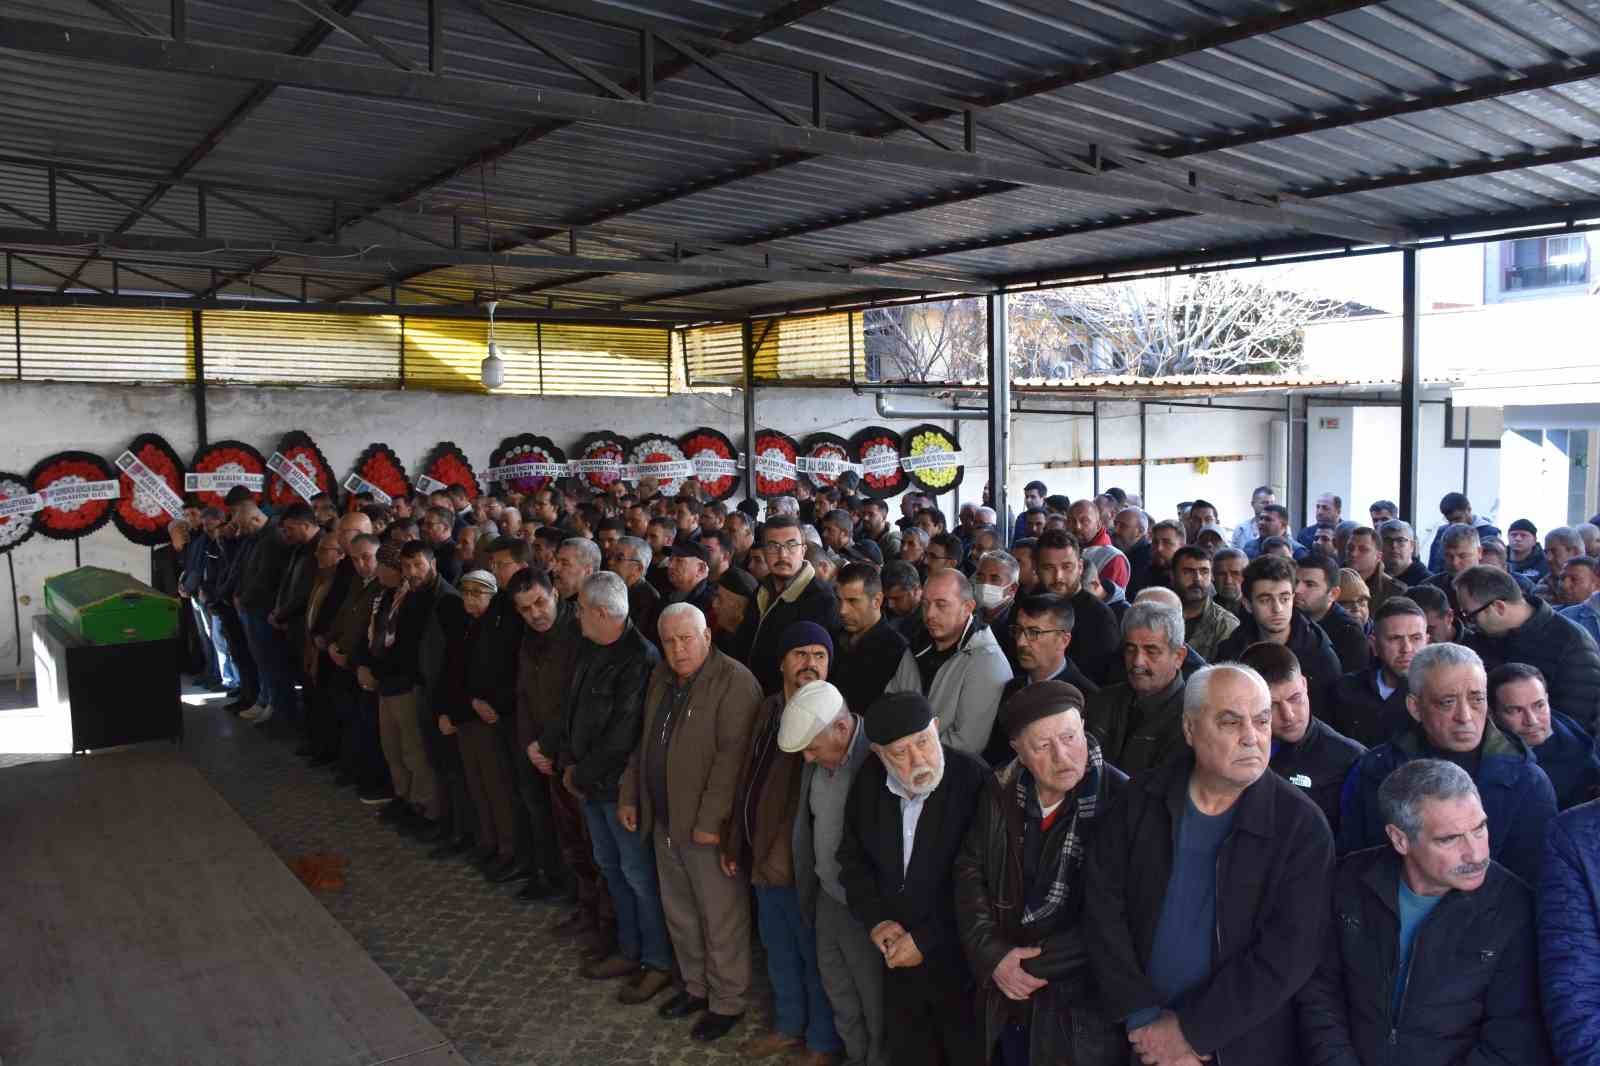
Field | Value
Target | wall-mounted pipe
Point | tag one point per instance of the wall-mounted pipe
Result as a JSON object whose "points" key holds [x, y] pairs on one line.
{"points": [[928, 414]]}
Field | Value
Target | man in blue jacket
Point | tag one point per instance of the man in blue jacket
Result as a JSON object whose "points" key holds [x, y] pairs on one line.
{"points": [[1449, 699], [1569, 935], [1566, 752], [1430, 957]]}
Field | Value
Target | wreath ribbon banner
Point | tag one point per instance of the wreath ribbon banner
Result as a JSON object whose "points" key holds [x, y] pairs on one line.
{"points": [[223, 479], [32, 503], [428, 486], [151, 482], [881, 464], [517, 471], [807, 464], [66, 496], [291, 473], [775, 468], [358, 484], [707, 468], [674, 468], [594, 466], [928, 460]]}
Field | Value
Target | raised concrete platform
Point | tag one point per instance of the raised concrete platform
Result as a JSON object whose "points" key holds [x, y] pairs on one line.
{"points": [[144, 922]]}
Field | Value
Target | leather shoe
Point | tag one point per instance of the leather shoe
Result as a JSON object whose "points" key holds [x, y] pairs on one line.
{"points": [[393, 811], [537, 890], [714, 1026], [485, 858], [432, 831], [608, 968], [500, 874], [573, 924], [808, 1057], [769, 1044], [596, 945], [645, 987], [682, 1005], [451, 848]]}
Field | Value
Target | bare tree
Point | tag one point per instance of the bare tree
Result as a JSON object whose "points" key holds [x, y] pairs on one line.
{"points": [[941, 341]]}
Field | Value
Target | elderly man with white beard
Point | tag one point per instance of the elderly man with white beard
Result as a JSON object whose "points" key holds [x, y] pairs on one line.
{"points": [[906, 817]]}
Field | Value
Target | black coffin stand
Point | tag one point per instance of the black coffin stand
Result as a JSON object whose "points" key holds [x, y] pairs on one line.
{"points": [[114, 694]]}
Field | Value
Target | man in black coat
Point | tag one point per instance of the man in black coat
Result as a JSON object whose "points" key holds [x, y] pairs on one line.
{"points": [[1306, 751], [1269, 583], [1096, 636], [868, 651], [1316, 593], [1430, 959], [1515, 628], [915, 791], [1207, 889], [1369, 706], [791, 593]]}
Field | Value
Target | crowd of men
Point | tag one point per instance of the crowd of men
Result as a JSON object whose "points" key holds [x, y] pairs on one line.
{"points": [[1097, 788]]}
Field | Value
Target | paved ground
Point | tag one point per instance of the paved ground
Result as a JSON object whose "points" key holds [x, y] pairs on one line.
{"points": [[479, 965]]}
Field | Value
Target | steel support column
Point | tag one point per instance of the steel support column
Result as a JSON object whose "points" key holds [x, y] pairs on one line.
{"points": [[1466, 449], [999, 411], [1410, 376], [1095, 422], [1144, 441], [197, 333], [749, 413], [1290, 482]]}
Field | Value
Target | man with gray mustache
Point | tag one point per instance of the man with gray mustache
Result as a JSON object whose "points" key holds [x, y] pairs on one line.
{"points": [[1431, 954]]}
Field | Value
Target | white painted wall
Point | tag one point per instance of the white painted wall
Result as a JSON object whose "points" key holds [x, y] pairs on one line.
{"points": [[38, 419]]}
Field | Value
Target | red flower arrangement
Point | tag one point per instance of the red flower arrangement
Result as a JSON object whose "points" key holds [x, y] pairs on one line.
{"points": [[526, 448], [879, 444], [298, 447], [230, 457], [447, 463], [825, 446], [602, 444], [654, 448], [16, 528], [770, 444], [707, 443], [137, 513], [381, 468], [76, 519]]}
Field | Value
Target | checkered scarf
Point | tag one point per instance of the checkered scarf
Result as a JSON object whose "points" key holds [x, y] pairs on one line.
{"points": [[1069, 861]]}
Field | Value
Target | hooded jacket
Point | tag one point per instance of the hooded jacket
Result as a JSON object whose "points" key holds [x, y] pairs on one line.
{"points": [[1568, 657], [1318, 661], [1471, 990], [1318, 766], [1570, 758], [966, 690], [1273, 874], [1569, 935], [807, 598], [705, 749], [1517, 796], [1066, 1022], [1349, 640]]}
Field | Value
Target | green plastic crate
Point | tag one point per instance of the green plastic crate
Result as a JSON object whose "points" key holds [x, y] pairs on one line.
{"points": [[102, 606]]}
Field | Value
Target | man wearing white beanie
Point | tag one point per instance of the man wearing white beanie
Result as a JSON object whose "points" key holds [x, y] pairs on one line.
{"points": [[833, 742]]}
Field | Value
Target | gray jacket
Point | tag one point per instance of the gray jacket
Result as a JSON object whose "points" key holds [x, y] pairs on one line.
{"points": [[806, 883], [966, 692]]}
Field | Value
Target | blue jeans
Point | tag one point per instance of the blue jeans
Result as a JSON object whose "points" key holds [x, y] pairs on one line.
{"points": [[223, 668], [799, 1003], [270, 648], [628, 864]]}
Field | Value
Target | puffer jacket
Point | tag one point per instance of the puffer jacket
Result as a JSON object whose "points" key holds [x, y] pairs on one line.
{"points": [[1571, 759], [1066, 1021], [1568, 657], [1517, 796], [1471, 995], [1569, 935], [760, 836], [966, 690], [1318, 766], [1311, 646], [603, 713]]}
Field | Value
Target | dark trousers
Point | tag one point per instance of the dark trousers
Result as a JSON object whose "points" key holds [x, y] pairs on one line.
{"points": [[321, 727], [522, 824], [489, 782], [928, 1019], [533, 789], [456, 812], [577, 855], [360, 754]]}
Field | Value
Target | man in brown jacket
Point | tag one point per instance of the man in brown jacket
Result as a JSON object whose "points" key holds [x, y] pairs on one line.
{"points": [[760, 841], [679, 785]]}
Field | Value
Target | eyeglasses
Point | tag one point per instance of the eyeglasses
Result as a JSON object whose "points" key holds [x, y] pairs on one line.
{"points": [[774, 547], [1033, 633], [1471, 617]]}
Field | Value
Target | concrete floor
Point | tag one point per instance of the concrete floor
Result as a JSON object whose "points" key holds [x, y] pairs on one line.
{"points": [[481, 967]]}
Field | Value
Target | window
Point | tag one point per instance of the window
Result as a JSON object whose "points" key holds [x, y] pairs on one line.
{"points": [[1545, 262]]}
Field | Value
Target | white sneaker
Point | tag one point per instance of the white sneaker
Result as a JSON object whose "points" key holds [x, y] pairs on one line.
{"points": [[253, 713], [264, 716]]}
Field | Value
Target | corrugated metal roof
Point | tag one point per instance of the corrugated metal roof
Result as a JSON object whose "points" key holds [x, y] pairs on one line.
{"points": [[1329, 104]]}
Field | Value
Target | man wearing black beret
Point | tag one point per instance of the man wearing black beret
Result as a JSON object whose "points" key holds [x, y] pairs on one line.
{"points": [[905, 820], [689, 572]]}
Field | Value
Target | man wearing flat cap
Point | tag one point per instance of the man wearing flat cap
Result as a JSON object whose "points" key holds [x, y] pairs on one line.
{"points": [[689, 573], [734, 610], [1020, 887], [908, 812], [822, 730], [760, 843]]}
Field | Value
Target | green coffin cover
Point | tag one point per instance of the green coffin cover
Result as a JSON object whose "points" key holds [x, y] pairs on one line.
{"points": [[104, 606]]}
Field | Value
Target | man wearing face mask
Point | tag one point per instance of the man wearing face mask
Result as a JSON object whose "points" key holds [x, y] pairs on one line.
{"points": [[906, 817], [961, 667], [1391, 985], [995, 583]]}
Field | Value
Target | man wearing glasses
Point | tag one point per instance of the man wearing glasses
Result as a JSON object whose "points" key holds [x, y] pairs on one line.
{"points": [[1507, 626], [1042, 629], [791, 593]]}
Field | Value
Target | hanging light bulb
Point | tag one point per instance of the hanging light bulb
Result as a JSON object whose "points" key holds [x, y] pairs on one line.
{"points": [[493, 370]]}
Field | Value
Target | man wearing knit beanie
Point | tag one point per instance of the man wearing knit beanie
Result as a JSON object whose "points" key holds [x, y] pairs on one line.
{"points": [[908, 813], [1523, 554]]}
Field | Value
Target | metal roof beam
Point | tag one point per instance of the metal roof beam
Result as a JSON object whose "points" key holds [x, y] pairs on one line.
{"points": [[35, 298], [128, 17], [348, 27], [481, 95], [391, 255]]}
